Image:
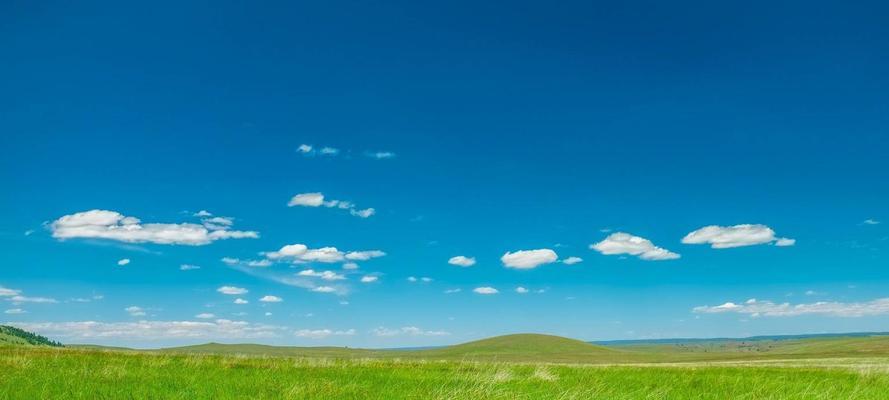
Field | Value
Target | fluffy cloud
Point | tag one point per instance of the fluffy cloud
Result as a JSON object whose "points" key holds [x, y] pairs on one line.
{"points": [[572, 260], [271, 299], [322, 333], [369, 279], [123, 261], [624, 243], [485, 290], [135, 311], [111, 225], [521, 290], [757, 308], [325, 275], [406, 331], [232, 290], [528, 259], [316, 199], [205, 316], [462, 261], [241, 301], [301, 253], [152, 330], [724, 237]]}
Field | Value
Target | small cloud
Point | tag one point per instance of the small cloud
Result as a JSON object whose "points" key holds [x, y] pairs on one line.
{"points": [[15, 311], [365, 213], [205, 316], [369, 279], [241, 301], [188, 267], [784, 242], [528, 259], [306, 200], [324, 289], [426, 279], [450, 291], [572, 260], [322, 333], [271, 299], [231, 290], [406, 331], [123, 261], [350, 266], [268, 314], [364, 255], [325, 275], [462, 261], [202, 214], [317, 199], [304, 148], [23, 299], [135, 311], [485, 290], [29, 232], [381, 155], [625, 243], [724, 237], [521, 290], [6, 292], [871, 222], [411, 279], [329, 151]]}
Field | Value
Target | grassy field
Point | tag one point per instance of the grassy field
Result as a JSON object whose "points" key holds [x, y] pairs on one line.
{"points": [[506, 367], [49, 373]]}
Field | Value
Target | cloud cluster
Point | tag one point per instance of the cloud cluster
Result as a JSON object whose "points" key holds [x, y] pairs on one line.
{"points": [[317, 199], [406, 331], [322, 333], [15, 297], [300, 253], [112, 225], [724, 237], [528, 259], [462, 261], [757, 308], [625, 243], [152, 330]]}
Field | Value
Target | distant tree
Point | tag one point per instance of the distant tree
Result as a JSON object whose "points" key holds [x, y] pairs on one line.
{"points": [[28, 337]]}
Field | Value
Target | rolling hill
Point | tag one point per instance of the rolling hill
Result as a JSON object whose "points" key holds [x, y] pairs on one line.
{"points": [[10, 335]]}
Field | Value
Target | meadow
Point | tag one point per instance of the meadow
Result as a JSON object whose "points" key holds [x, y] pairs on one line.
{"points": [[508, 367]]}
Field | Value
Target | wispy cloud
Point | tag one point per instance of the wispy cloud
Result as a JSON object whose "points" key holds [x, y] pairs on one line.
{"points": [[322, 333], [317, 199], [406, 331], [152, 330], [768, 308]]}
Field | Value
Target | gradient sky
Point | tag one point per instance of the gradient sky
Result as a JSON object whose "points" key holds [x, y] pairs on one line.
{"points": [[471, 130]]}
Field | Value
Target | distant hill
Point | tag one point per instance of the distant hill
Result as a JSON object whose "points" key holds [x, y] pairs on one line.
{"points": [[261, 349], [10, 335], [525, 347], [626, 342]]}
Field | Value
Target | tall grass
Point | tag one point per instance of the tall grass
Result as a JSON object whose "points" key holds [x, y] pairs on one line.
{"points": [[44, 373]]}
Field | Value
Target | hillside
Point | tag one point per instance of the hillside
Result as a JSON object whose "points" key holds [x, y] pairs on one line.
{"points": [[266, 350], [10, 335], [524, 347]]}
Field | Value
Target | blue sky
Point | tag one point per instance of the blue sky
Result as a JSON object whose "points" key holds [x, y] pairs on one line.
{"points": [[610, 133]]}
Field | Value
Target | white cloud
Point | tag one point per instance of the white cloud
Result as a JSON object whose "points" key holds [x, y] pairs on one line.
{"points": [[5, 292], [323, 255], [411, 279], [307, 200], [205, 316], [15, 311], [304, 148], [325, 275], [324, 289], [322, 333], [268, 314], [250, 263], [485, 290], [784, 242], [135, 311], [381, 155], [231, 290], [188, 267], [572, 260], [449, 291], [521, 290], [767, 308], [203, 213], [111, 225], [426, 279], [329, 151], [241, 301], [152, 330], [365, 213], [364, 255], [317, 199], [271, 299], [123, 261], [528, 259], [406, 331], [369, 279], [871, 222], [18, 299], [624, 243], [462, 261], [724, 237], [350, 265]]}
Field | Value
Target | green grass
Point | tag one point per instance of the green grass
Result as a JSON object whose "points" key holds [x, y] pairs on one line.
{"points": [[50, 373]]}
